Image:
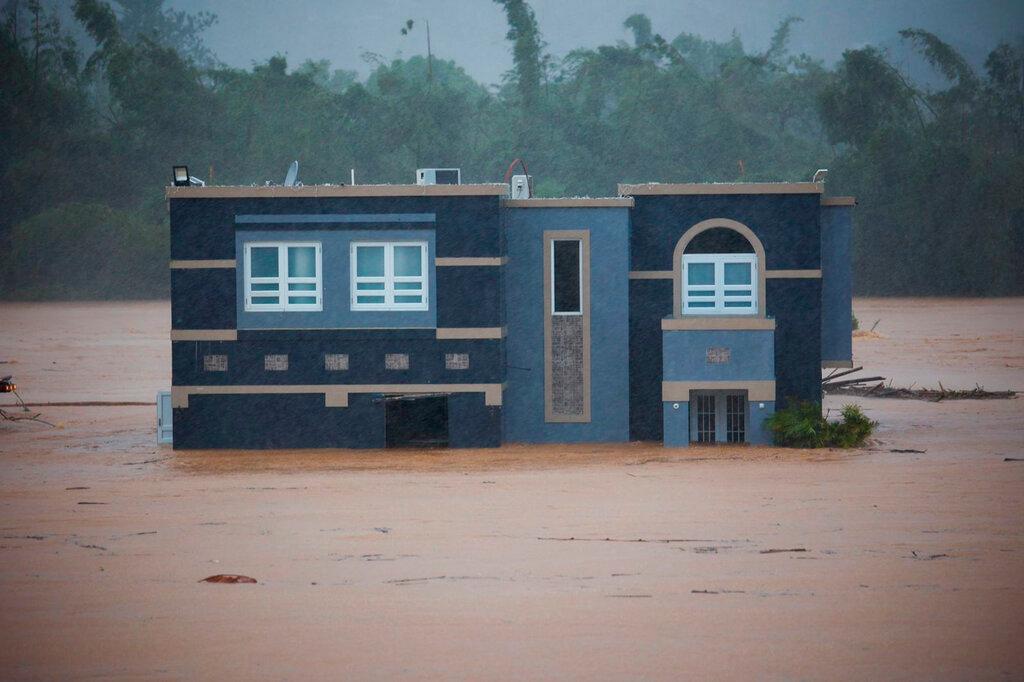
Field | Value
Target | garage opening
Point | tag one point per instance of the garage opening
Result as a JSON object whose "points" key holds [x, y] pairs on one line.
{"points": [[416, 421]]}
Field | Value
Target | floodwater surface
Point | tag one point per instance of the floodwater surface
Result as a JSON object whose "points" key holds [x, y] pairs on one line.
{"points": [[610, 562]]}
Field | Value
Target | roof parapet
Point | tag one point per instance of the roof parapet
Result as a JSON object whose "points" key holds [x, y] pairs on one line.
{"points": [[280, 191], [719, 188], [570, 202]]}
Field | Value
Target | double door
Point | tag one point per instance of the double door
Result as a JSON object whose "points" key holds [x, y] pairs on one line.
{"points": [[718, 417]]}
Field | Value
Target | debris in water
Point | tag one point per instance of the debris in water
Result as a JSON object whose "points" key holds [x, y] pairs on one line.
{"points": [[228, 578]]}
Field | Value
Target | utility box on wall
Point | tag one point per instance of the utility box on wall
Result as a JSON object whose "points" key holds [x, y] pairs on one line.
{"points": [[164, 420]]}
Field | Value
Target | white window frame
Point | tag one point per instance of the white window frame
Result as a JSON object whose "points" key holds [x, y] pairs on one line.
{"points": [[579, 279], [389, 279], [283, 280], [719, 287]]}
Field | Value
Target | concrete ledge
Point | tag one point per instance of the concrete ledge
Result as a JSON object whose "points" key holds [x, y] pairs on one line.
{"points": [[716, 322], [679, 391], [608, 202], [470, 332], [273, 191], [336, 395], [792, 274], [468, 261], [204, 335], [202, 264], [836, 364], [657, 188], [839, 201]]}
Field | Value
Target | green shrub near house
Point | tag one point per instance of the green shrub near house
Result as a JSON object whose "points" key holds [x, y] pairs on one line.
{"points": [[801, 425]]}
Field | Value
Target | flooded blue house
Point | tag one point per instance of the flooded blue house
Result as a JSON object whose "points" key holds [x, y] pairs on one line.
{"points": [[368, 316]]}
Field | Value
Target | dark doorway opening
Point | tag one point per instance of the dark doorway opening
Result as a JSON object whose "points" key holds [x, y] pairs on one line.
{"points": [[416, 421]]}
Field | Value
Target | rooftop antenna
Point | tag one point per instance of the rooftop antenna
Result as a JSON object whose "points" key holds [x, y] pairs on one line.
{"points": [[293, 172], [352, 176]]}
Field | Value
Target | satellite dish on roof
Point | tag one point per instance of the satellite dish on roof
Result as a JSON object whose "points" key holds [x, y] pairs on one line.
{"points": [[293, 173]]}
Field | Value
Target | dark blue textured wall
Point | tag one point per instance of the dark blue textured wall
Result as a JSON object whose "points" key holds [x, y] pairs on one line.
{"points": [[789, 229], [366, 360], [795, 305], [650, 300], [471, 423], [786, 224], [469, 296], [278, 422], [466, 225], [203, 299], [836, 283]]}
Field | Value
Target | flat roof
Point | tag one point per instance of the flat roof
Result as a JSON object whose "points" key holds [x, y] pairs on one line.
{"points": [[653, 188], [275, 191], [570, 202]]}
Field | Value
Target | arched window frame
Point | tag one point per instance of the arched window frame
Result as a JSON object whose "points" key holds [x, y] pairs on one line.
{"points": [[677, 264]]}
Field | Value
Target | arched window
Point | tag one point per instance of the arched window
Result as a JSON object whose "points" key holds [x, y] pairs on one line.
{"points": [[719, 270]]}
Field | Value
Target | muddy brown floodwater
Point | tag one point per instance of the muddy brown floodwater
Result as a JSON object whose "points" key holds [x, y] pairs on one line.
{"points": [[583, 562]]}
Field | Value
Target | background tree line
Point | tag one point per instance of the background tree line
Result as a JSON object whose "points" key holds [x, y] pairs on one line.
{"points": [[89, 130]]}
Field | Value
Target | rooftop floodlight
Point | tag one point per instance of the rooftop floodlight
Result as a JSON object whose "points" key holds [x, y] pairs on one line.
{"points": [[181, 176]]}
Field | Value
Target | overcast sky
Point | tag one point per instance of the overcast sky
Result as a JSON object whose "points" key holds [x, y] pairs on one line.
{"points": [[472, 32]]}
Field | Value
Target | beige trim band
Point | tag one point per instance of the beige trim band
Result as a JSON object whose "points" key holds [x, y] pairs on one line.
{"points": [[453, 262], [202, 264], [650, 274], [793, 274], [653, 188], [337, 395], [716, 322], [836, 364], [839, 201], [607, 202], [550, 236], [204, 335], [211, 192], [679, 391], [471, 332]]}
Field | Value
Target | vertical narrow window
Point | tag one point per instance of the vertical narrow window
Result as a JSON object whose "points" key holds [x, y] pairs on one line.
{"points": [[566, 277], [389, 276], [283, 276], [566, 307]]}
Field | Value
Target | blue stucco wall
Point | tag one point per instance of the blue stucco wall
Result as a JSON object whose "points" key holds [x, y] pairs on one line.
{"points": [[788, 226], [676, 416], [677, 423], [836, 283], [757, 432], [337, 312], [609, 333], [752, 355]]}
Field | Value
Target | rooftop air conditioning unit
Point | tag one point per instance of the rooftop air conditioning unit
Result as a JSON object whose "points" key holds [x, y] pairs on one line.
{"points": [[521, 186], [438, 176]]}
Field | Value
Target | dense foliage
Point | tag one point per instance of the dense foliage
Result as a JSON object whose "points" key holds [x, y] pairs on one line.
{"points": [[801, 425], [939, 174]]}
